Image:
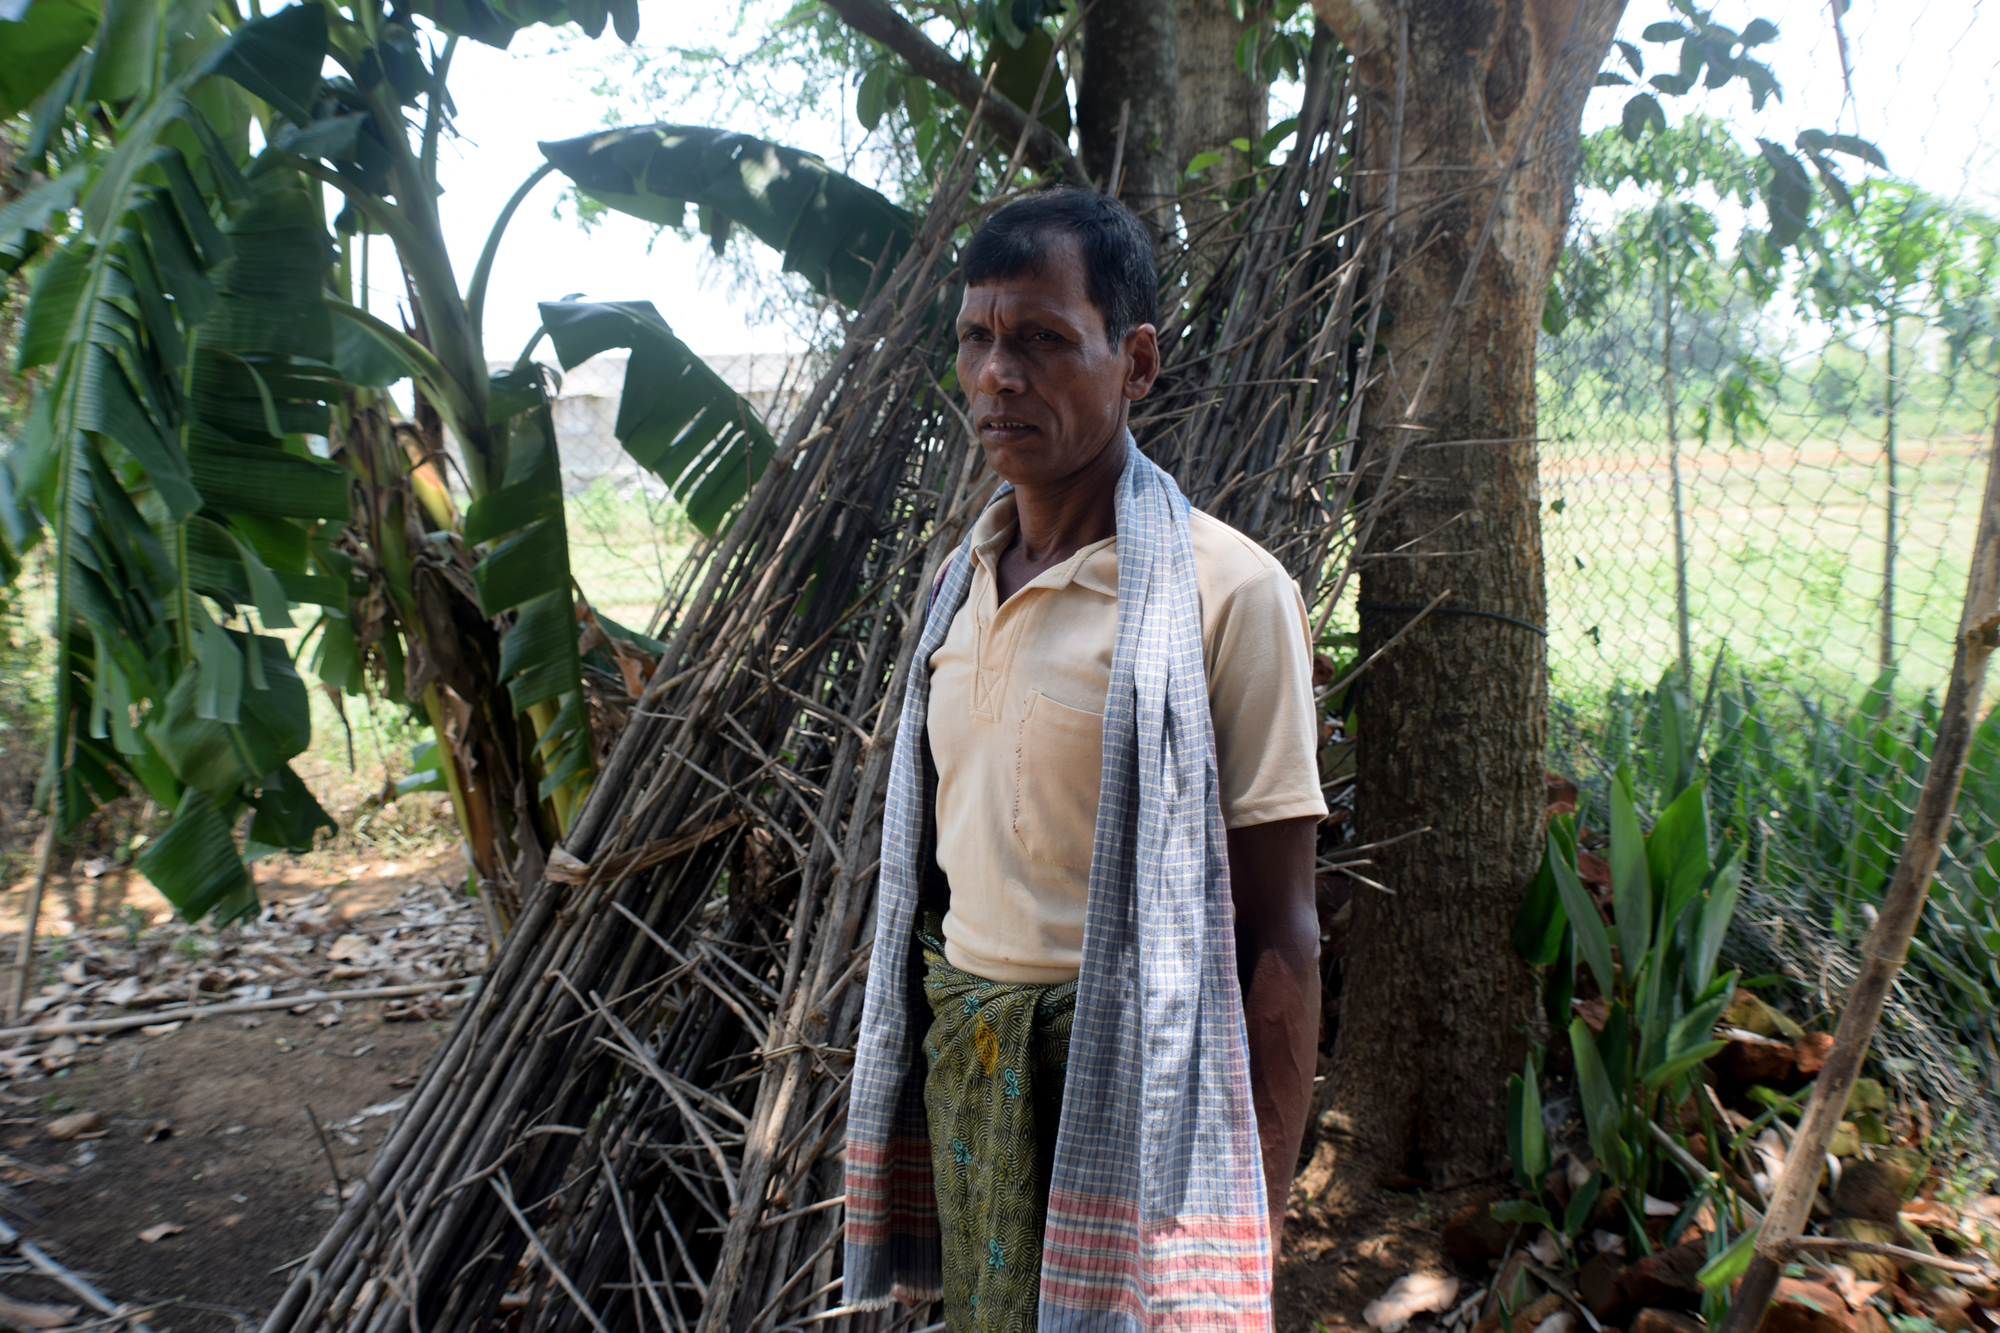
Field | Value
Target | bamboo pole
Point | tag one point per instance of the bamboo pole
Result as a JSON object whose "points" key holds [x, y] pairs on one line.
{"points": [[1889, 940]]}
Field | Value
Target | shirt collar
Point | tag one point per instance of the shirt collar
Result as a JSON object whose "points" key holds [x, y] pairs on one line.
{"points": [[1094, 566]]}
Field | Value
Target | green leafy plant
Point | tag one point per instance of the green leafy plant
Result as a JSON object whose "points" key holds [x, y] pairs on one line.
{"points": [[1653, 970], [1823, 814]]}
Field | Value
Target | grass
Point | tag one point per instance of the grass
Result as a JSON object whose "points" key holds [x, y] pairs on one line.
{"points": [[1784, 559], [625, 544]]}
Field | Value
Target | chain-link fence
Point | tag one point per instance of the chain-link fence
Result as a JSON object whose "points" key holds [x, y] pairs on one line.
{"points": [[1761, 480]]}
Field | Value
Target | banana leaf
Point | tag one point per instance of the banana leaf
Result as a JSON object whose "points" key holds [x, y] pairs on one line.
{"points": [[677, 418], [832, 229], [187, 346], [36, 49]]}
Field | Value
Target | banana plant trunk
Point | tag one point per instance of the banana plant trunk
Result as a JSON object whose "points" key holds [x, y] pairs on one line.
{"points": [[1468, 143]]}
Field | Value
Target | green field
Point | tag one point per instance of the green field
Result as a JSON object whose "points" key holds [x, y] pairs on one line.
{"points": [[1784, 560]]}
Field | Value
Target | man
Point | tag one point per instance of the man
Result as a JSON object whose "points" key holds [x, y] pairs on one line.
{"points": [[1088, 1043]]}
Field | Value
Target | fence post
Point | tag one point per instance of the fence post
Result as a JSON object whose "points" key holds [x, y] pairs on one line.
{"points": [[1674, 463], [1889, 522]]}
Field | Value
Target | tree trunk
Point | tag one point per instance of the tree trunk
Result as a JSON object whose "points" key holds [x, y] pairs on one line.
{"points": [[1130, 78], [1453, 729], [1218, 101]]}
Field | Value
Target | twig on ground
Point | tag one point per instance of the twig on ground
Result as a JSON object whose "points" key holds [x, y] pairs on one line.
{"points": [[339, 1182], [97, 1025]]}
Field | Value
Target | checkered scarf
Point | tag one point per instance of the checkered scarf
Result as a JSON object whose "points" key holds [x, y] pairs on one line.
{"points": [[1157, 1213]]}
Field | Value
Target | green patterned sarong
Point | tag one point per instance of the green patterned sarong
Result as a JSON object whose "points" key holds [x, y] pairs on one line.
{"points": [[998, 1052]]}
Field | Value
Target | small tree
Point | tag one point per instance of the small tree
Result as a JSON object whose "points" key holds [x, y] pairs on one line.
{"points": [[1687, 171], [1896, 254]]}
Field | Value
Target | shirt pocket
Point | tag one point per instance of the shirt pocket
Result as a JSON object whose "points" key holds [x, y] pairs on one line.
{"points": [[1057, 767]]}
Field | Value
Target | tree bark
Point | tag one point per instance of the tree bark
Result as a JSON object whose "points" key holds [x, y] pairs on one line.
{"points": [[1453, 730], [1218, 101], [1131, 78]]}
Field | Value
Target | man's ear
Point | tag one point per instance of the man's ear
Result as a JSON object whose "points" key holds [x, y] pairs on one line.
{"points": [[1142, 350]]}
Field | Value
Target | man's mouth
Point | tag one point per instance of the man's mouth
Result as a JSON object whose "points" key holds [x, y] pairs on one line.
{"points": [[1005, 426]]}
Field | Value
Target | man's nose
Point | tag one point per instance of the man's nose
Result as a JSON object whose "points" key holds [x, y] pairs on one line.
{"points": [[1000, 370]]}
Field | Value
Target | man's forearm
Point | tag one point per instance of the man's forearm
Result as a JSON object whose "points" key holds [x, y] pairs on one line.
{"points": [[1281, 1011], [1277, 959]]}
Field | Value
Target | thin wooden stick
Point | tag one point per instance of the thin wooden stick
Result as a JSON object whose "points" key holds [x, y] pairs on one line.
{"points": [[24, 958], [85, 1026], [1394, 639], [339, 1182], [49, 1268], [548, 1260], [1888, 941], [1836, 1243]]}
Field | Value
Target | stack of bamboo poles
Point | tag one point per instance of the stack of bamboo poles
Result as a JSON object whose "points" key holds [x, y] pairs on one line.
{"points": [[638, 1123]]}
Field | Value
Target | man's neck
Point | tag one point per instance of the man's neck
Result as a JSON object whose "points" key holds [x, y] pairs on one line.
{"points": [[1055, 522]]}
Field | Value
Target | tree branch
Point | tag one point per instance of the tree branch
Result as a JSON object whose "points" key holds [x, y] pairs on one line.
{"points": [[877, 19]]}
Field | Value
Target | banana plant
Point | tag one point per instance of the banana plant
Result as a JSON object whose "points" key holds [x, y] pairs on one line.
{"points": [[835, 232], [190, 308]]}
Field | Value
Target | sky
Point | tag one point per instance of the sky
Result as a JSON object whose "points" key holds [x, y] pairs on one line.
{"points": [[1926, 76], [1926, 79], [541, 89]]}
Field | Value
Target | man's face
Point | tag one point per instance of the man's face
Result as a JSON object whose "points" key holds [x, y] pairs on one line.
{"points": [[1046, 391]]}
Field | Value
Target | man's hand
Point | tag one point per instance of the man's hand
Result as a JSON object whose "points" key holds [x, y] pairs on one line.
{"points": [[1277, 961]]}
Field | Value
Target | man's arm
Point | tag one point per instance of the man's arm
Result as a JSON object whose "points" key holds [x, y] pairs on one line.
{"points": [[1277, 961]]}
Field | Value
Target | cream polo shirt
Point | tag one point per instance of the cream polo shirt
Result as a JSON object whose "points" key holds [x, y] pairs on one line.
{"points": [[1016, 729]]}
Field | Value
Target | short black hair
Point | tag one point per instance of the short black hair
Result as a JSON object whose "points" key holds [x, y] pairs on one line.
{"points": [[1117, 252]]}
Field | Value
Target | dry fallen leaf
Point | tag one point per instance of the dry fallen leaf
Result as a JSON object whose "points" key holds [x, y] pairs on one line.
{"points": [[69, 1126], [160, 1231], [348, 947], [159, 1129], [1929, 1214], [1852, 1289], [1412, 1294], [161, 1029]]}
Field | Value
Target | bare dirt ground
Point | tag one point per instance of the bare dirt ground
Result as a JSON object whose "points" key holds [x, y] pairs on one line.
{"points": [[206, 1176], [241, 1174], [1345, 1247]]}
